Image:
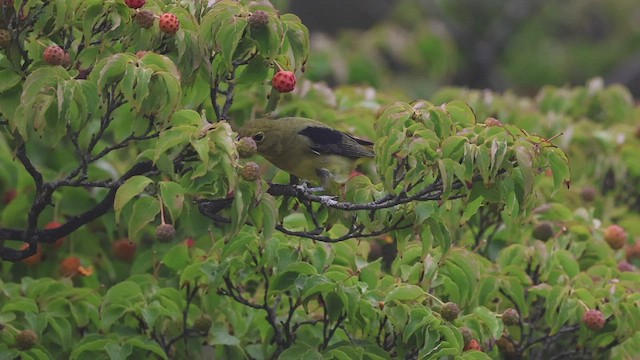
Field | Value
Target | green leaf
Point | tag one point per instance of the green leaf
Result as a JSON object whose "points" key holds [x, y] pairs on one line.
{"points": [[404, 292], [228, 37], [177, 258], [146, 344], [172, 198], [9, 79], [24, 305], [144, 212], [130, 189], [118, 352]]}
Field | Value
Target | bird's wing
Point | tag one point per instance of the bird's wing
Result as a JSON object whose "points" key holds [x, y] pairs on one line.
{"points": [[325, 140]]}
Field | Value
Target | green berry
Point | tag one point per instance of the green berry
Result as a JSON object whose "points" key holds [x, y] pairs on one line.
{"points": [[543, 231], [247, 147], [165, 233], [511, 317], [258, 19], [250, 171], [26, 339], [450, 311]]}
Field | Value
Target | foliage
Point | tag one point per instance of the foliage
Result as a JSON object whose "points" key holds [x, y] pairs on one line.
{"points": [[117, 143]]}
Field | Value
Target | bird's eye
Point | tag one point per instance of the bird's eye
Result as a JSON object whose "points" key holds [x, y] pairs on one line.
{"points": [[258, 137]]}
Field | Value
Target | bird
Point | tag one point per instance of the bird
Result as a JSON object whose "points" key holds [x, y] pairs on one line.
{"points": [[307, 148]]}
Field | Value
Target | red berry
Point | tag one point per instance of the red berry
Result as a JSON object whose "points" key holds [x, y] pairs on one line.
{"points": [[615, 236], [54, 55], [145, 18], [189, 242], [473, 345], [135, 4], [284, 81], [141, 53], [9, 196], [593, 319], [169, 23], [34, 259], [53, 225], [124, 249], [624, 266], [69, 266], [492, 122]]}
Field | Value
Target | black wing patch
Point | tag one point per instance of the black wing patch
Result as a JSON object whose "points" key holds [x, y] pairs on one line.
{"points": [[325, 140]]}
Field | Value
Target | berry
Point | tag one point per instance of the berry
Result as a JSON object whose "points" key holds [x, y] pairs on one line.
{"points": [[54, 55], [473, 345], [511, 317], [202, 324], [34, 259], [145, 18], [450, 311], [467, 335], [165, 233], [492, 122], [624, 266], [615, 236], [247, 147], [9, 196], [5, 38], [543, 231], [141, 53], [284, 81], [250, 171], [135, 4], [189, 242], [124, 249], [258, 19], [633, 251], [169, 23], [53, 225], [593, 319], [26, 339], [588, 193], [69, 266]]}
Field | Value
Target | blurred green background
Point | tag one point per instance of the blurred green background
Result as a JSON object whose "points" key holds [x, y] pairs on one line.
{"points": [[418, 46]]}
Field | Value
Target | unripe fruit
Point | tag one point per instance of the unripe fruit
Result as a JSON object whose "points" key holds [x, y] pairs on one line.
{"points": [[34, 259], [543, 231], [250, 171], [467, 335], [53, 55], [145, 18], [615, 236], [69, 266], [53, 225], [588, 193], [135, 4], [473, 345], [450, 311], [26, 339], [165, 233], [258, 19], [511, 317], [492, 122], [593, 319], [124, 249], [169, 23], [246, 147], [633, 251], [5, 38], [284, 81], [202, 324]]}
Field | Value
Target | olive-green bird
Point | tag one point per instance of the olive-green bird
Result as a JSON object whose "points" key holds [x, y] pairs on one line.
{"points": [[307, 148]]}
